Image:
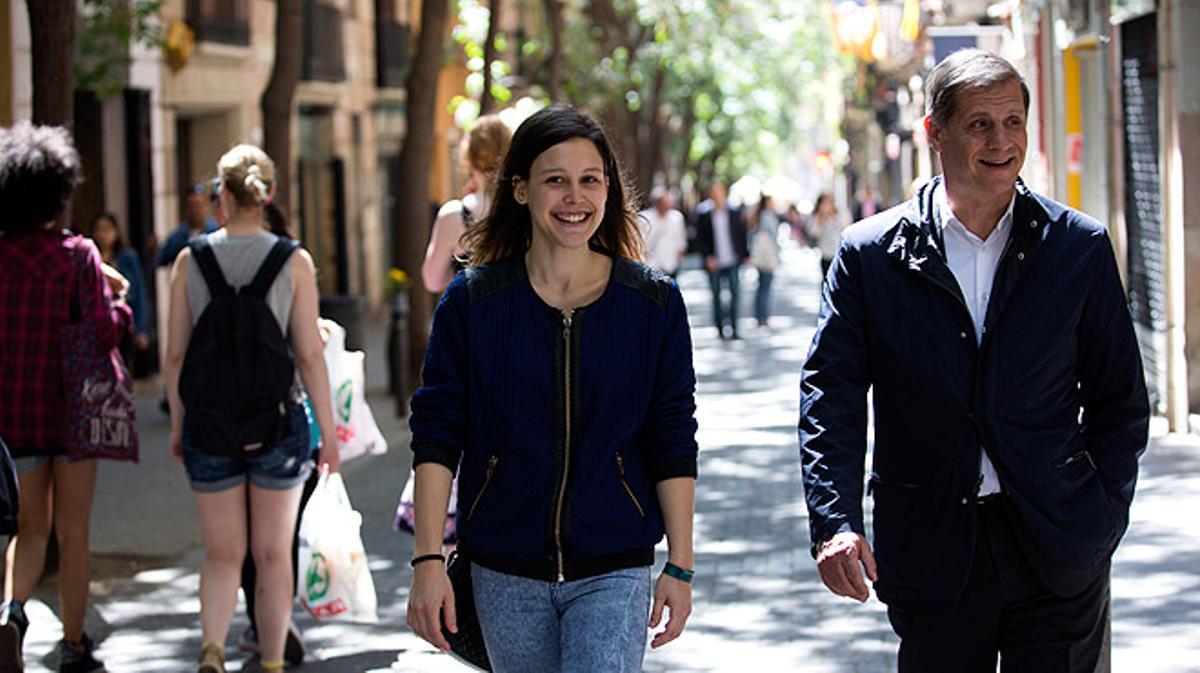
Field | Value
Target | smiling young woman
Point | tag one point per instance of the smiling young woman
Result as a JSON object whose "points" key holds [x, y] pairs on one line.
{"points": [[559, 376]]}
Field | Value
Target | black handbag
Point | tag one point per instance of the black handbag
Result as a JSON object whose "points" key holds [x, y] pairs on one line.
{"points": [[466, 645]]}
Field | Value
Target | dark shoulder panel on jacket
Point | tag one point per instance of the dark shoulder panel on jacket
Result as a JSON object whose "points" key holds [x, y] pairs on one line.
{"points": [[649, 282], [488, 279]]}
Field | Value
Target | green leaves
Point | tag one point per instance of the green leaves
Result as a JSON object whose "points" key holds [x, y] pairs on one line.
{"points": [[109, 29]]}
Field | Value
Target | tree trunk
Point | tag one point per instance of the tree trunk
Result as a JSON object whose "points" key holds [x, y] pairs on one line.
{"points": [[277, 98], [554, 18], [486, 102], [52, 33], [652, 150], [411, 231]]}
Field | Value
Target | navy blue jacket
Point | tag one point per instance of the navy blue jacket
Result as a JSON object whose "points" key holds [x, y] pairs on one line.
{"points": [[1054, 393], [563, 429]]}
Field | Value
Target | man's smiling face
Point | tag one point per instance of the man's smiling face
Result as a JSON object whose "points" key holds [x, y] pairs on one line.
{"points": [[982, 144]]}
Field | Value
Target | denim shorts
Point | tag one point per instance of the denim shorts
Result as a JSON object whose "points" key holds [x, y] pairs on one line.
{"points": [[285, 466], [27, 464]]}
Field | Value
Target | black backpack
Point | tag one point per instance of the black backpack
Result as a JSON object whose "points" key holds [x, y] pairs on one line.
{"points": [[238, 371]]}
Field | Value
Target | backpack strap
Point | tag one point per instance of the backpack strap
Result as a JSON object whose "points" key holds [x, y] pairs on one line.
{"points": [[202, 252], [280, 253]]}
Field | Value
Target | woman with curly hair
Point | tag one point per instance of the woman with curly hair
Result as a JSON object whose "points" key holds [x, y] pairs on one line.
{"points": [[49, 278]]}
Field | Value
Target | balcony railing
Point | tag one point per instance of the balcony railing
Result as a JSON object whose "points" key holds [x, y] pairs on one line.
{"points": [[392, 44], [225, 21], [324, 58]]}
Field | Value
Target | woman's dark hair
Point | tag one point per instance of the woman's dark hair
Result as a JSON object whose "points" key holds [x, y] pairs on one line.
{"points": [[822, 197], [276, 222], [90, 231], [507, 228], [757, 211], [39, 168]]}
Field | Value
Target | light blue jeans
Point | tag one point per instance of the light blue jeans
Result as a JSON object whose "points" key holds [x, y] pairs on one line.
{"points": [[585, 626]]}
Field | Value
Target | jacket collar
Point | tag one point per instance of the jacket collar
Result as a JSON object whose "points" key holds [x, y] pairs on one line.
{"points": [[917, 241], [917, 244]]}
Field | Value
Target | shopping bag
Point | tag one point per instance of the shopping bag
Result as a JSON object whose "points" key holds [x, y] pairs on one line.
{"points": [[406, 518], [334, 582], [356, 430], [99, 415]]}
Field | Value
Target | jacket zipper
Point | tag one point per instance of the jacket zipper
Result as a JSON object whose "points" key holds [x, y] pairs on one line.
{"points": [[562, 487], [487, 479], [621, 472]]}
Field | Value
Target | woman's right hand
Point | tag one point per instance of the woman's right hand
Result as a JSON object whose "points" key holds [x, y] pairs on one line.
{"points": [[430, 597], [117, 282]]}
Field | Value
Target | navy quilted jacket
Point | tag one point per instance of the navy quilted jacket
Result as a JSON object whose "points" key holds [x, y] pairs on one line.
{"points": [[1054, 394], [563, 426]]}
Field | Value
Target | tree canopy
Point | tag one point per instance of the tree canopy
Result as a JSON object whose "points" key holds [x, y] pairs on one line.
{"points": [[692, 90]]}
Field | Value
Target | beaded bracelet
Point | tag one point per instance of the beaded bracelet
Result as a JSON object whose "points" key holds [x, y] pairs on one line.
{"points": [[681, 574]]}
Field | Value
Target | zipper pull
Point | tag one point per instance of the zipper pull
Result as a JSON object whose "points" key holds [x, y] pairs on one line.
{"points": [[492, 466], [620, 465]]}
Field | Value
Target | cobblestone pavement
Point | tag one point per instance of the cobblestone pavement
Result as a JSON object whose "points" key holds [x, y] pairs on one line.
{"points": [[758, 603]]}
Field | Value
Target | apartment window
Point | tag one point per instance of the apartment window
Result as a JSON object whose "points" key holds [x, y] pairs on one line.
{"points": [[226, 21], [323, 50]]}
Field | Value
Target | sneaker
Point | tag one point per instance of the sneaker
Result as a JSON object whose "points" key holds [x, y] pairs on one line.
{"points": [[293, 647], [77, 657], [248, 641], [13, 625], [212, 659]]}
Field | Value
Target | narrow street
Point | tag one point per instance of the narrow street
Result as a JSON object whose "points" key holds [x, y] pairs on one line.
{"points": [[758, 602]]}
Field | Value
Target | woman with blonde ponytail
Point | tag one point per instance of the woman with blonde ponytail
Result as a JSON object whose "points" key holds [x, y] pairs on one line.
{"points": [[259, 492]]}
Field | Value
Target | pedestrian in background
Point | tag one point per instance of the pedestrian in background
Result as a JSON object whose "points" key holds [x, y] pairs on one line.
{"points": [[259, 496], [764, 254], [826, 227], [482, 149], [198, 219], [559, 372], [721, 241], [664, 231], [293, 649], [46, 275], [1009, 402], [105, 233]]}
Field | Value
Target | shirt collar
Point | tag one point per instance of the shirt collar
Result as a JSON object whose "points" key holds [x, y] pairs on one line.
{"points": [[946, 216]]}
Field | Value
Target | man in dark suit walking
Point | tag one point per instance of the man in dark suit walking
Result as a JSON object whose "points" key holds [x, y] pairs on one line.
{"points": [[721, 241], [1010, 405]]}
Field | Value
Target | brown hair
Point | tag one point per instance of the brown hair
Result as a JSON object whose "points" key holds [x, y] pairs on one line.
{"points": [[487, 142], [507, 228], [964, 70]]}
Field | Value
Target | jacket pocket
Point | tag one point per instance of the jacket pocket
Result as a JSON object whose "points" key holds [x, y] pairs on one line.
{"points": [[1079, 457], [628, 488], [875, 482], [487, 480]]}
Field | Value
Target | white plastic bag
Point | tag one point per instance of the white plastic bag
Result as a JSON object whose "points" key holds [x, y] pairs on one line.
{"points": [[356, 430], [334, 581]]}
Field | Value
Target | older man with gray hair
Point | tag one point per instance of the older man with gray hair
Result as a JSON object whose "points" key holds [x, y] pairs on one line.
{"points": [[1009, 402]]}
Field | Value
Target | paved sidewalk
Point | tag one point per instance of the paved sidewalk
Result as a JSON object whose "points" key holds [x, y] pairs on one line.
{"points": [[758, 601]]}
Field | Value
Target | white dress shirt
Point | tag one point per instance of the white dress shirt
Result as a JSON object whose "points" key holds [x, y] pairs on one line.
{"points": [[974, 261], [723, 239]]}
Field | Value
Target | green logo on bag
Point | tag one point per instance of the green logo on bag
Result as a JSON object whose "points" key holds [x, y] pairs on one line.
{"points": [[342, 403], [317, 581]]}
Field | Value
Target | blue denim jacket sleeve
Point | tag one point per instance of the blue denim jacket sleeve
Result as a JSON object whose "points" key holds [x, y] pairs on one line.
{"points": [[833, 404], [1116, 409], [439, 418], [669, 432]]}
